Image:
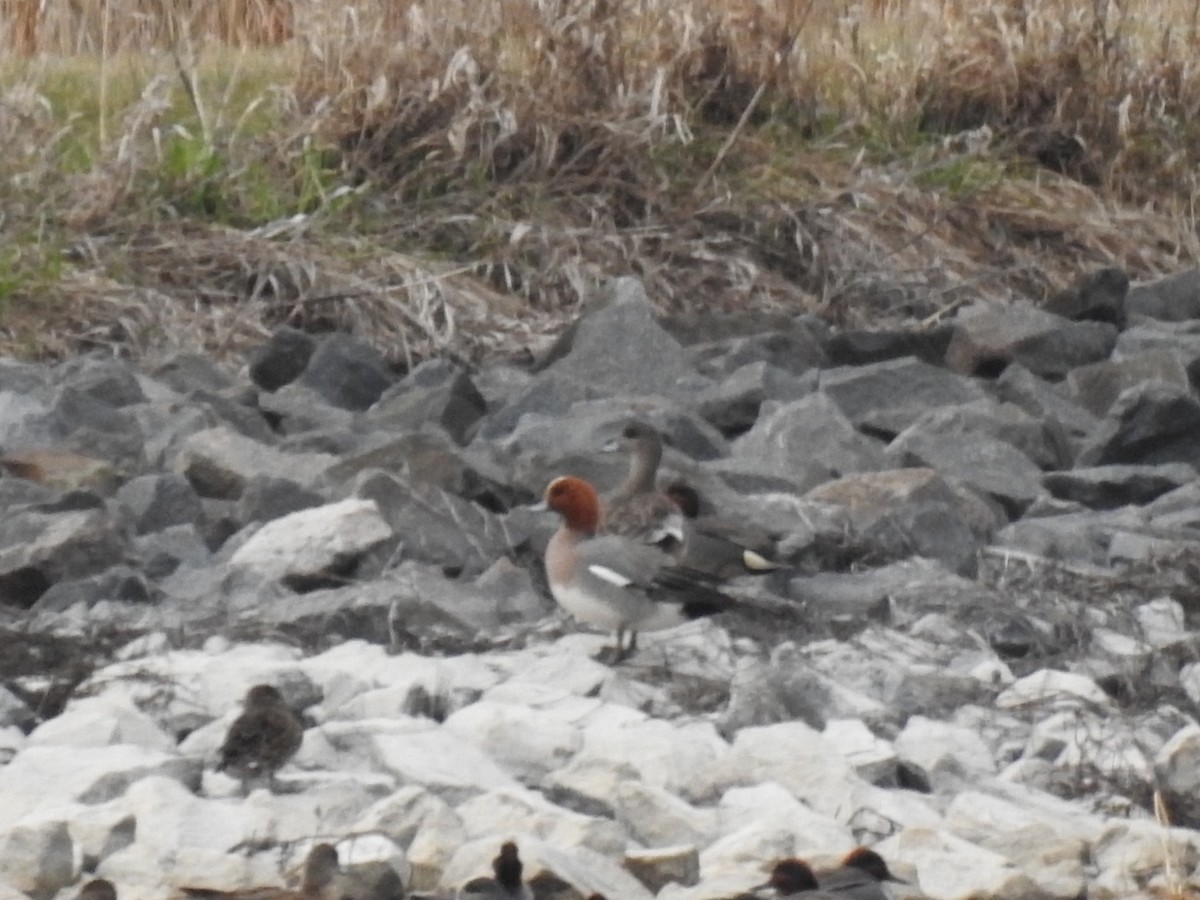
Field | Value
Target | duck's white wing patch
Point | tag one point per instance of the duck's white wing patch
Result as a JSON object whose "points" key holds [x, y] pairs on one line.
{"points": [[610, 575]]}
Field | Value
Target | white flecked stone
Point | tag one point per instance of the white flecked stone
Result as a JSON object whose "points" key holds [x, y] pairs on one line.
{"points": [[495, 812], [49, 776], [401, 813], [589, 786], [942, 746], [440, 834], [1162, 621], [442, 761], [657, 818], [311, 540], [1133, 852], [871, 757], [771, 804], [100, 721], [1178, 762], [525, 743], [37, 858], [791, 754], [662, 754], [1035, 843], [1048, 686], [950, 868], [1189, 678]]}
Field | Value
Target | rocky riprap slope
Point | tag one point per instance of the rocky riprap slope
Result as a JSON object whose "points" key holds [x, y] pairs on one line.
{"points": [[983, 659]]}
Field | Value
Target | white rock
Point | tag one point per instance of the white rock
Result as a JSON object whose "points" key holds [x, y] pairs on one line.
{"points": [[949, 868], [871, 757], [1162, 621], [38, 859], [523, 741], [1035, 843], [1047, 686], [41, 776], [664, 865], [558, 669], [771, 805], [12, 739], [1189, 678], [100, 721], [944, 747], [589, 786], [1129, 655], [440, 834], [401, 813], [311, 540], [440, 760], [751, 849], [789, 753], [658, 818], [1131, 853], [1076, 738], [157, 872], [662, 754], [494, 812], [1178, 762]]}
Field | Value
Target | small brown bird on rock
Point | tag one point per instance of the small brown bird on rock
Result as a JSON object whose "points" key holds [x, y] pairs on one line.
{"points": [[264, 737], [507, 883]]}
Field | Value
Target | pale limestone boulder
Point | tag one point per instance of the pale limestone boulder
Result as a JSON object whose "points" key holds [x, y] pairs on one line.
{"points": [[750, 849], [662, 754], [556, 667], [439, 835], [589, 786], [950, 868], [1034, 842], [558, 705], [1136, 854], [944, 747], [224, 460], [871, 757], [12, 739], [313, 540], [657, 818], [37, 858], [790, 753], [100, 721], [525, 743], [400, 813], [771, 804], [1162, 622], [48, 776], [1189, 678], [155, 872], [495, 811], [1052, 687], [440, 760]]}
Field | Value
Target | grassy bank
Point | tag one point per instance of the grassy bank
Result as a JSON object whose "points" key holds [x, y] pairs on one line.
{"points": [[455, 176]]}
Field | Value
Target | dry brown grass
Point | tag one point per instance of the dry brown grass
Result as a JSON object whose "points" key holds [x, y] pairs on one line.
{"points": [[456, 176]]}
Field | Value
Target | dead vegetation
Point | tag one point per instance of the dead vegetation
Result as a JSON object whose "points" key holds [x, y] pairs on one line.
{"points": [[457, 177]]}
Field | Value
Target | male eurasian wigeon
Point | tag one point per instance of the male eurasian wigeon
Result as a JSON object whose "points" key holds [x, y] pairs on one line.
{"points": [[319, 882], [614, 582], [264, 737], [791, 878], [97, 889], [859, 876], [671, 518], [506, 883]]}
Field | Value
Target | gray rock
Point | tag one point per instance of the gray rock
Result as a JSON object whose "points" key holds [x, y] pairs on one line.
{"points": [[991, 466], [38, 859], [1097, 386], [437, 391], [986, 339], [163, 551], [38, 550], [794, 351], [1041, 439], [620, 349], [732, 405], [1177, 768], [1150, 423], [296, 410], [436, 527], [265, 498], [1107, 487], [542, 396], [282, 359], [96, 429], [856, 347], [887, 397], [218, 462], [347, 372], [108, 381], [1175, 298], [1098, 297], [788, 438], [154, 502], [1042, 400], [121, 584], [1182, 339], [188, 372]]}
